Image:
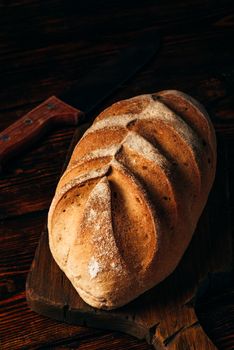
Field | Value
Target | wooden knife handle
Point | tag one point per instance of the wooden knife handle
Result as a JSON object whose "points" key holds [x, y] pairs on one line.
{"points": [[34, 124]]}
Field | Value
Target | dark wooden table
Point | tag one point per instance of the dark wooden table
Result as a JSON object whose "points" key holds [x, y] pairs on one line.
{"points": [[44, 48]]}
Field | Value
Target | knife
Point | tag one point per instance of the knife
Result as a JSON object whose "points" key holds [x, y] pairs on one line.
{"points": [[80, 100]]}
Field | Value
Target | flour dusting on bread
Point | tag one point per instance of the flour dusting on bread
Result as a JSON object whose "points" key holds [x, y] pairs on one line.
{"points": [[93, 268], [128, 204]]}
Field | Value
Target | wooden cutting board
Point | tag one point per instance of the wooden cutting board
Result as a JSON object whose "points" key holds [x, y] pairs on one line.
{"points": [[165, 316]]}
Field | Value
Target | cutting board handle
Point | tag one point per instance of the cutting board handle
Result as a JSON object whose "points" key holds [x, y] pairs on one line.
{"points": [[34, 124]]}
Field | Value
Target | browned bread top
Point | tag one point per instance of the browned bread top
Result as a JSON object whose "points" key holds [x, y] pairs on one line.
{"points": [[127, 205]]}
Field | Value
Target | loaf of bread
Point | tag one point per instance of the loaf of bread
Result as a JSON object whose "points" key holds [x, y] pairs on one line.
{"points": [[129, 201]]}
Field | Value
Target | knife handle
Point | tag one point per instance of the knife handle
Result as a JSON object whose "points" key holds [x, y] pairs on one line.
{"points": [[34, 124]]}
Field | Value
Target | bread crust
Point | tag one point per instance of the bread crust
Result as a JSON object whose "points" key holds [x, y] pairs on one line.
{"points": [[129, 201]]}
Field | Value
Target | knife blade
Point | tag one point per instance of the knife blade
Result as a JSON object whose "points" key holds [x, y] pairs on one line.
{"points": [[79, 100]]}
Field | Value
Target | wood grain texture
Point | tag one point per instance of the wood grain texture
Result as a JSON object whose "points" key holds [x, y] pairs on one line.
{"points": [[34, 124], [47, 46]]}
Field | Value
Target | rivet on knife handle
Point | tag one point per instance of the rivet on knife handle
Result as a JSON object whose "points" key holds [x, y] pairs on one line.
{"points": [[35, 123]]}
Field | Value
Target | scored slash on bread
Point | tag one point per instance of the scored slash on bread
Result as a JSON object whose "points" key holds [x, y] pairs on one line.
{"points": [[128, 203]]}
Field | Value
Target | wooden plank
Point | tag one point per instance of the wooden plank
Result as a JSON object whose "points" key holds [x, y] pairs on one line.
{"points": [[45, 47], [165, 315]]}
